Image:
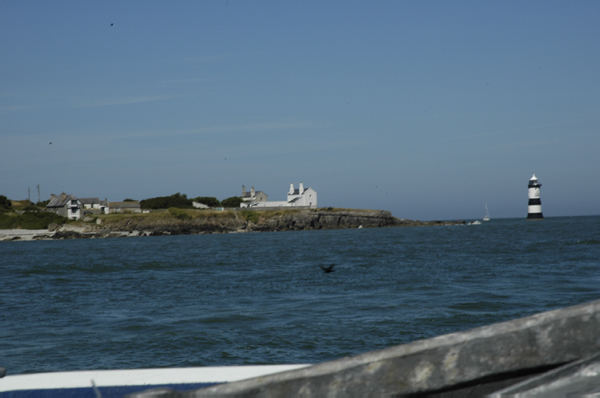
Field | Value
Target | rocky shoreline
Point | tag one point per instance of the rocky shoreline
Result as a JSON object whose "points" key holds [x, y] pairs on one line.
{"points": [[64, 232], [145, 226]]}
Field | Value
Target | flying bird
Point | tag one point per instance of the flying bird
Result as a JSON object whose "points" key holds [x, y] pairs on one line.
{"points": [[328, 269], [50, 143]]}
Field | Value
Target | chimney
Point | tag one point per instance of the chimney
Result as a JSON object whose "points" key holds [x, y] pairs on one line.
{"points": [[52, 196], [243, 191], [252, 192], [301, 189], [291, 189]]}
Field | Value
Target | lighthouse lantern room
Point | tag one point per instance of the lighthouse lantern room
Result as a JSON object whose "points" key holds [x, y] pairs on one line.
{"points": [[534, 210]]}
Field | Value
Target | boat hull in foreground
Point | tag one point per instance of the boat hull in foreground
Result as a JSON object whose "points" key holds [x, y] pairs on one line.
{"points": [[118, 383]]}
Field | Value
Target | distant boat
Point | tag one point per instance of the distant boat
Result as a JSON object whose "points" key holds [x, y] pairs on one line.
{"points": [[487, 213], [476, 222]]}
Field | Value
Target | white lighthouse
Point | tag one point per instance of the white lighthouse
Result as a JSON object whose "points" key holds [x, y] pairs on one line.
{"points": [[534, 210]]}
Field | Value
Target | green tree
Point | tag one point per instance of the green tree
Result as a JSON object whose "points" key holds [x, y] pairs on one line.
{"points": [[164, 202], [233, 201], [4, 202]]}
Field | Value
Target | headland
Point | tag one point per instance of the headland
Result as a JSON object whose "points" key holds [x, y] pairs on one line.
{"points": [[191, 222]]}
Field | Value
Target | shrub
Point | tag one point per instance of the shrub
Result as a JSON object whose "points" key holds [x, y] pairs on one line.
{"points": [[31, 220], [179, 213], [40, 220], [6, 221], [250, 216]]}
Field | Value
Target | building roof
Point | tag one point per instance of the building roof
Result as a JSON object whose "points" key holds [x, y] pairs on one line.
{"points": [[297, 191], [60, 200], [91, 201], [248, 194]]}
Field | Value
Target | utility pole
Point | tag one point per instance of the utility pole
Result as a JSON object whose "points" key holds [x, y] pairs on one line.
{"points": [[29, 194], [38, 187]]}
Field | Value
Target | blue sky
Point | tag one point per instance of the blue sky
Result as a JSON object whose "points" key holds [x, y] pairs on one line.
{"points": [[428, 109]]}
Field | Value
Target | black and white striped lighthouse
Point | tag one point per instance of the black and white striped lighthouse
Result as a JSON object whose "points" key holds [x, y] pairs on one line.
{"points": [[534, 210]]}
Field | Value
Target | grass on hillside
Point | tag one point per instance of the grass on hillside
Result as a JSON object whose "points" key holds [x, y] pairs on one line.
{"points": [[22, 214], [254, 215], [30, 220], [34, 217], [173, 212]]}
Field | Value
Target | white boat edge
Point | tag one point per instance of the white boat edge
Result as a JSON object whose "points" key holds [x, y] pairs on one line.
{"points": [[138, 377]]}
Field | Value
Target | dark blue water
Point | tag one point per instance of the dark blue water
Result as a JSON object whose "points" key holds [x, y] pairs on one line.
{"points": [[261, 298]]}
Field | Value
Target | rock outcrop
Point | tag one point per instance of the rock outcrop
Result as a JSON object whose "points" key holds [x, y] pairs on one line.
{"points": [[254, 221], [307, 220]]}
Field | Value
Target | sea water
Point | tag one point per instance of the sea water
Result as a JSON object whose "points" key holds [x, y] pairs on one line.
{"points": [[262, 298]]}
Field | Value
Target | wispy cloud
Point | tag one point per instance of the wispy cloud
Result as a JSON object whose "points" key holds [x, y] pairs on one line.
{"points": [[46, 103]]}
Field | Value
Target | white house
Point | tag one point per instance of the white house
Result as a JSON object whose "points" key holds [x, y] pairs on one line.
{"points": [[94, 205], [301, 197], [65, 205]]}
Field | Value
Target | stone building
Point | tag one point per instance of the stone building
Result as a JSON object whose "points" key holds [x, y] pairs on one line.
{"points": [[301, 197], [65, 205], [253, 196]]}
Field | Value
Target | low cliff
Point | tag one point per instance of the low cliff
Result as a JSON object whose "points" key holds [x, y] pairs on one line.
{"points": [[189, 222], [258, 221], [308, 220]]}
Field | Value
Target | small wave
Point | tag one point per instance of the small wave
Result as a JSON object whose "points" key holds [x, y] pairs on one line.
{"points": [[233, 319], [38, 271], [476, 307], [588, 242], [67, 269]]}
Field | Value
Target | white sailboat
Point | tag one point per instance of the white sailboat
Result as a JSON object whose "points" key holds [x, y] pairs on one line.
{"points": [[487, 213]]}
